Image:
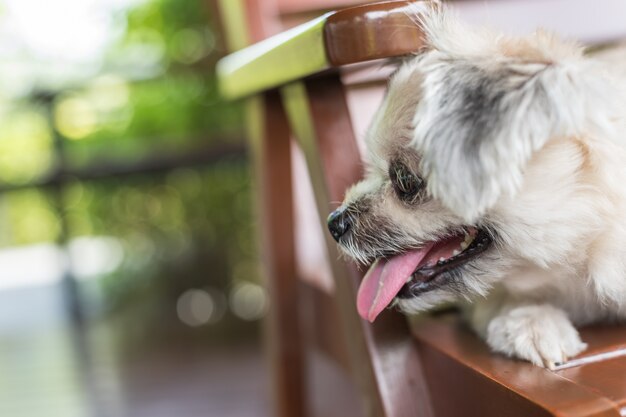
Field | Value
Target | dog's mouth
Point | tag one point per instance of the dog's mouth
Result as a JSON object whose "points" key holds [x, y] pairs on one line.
{"points": [[416, 271]]}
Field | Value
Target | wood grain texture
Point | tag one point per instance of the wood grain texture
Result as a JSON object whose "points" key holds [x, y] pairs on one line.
{"points": [[388, 29], [383, 359], [445, 371], [303, 124], [288, 56], [362, 33], [606, 377], [459, 365], [374, 31], [299, 6], [270, 149], [269, 142]]}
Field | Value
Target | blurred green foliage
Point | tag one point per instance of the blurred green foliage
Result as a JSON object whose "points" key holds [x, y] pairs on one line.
{"points": [[156, 95], [28, 216], [189, 228], [159, 115], [25, 144], [156, 92]]}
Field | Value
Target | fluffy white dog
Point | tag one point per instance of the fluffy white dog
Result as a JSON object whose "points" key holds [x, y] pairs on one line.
{"points": [[496, 176]]}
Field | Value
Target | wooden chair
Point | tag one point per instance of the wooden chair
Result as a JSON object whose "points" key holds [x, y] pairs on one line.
{"points": [[318, 83]]}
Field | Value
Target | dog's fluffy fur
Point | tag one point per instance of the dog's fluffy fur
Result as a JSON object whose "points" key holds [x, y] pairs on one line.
{"points": [[524, 138]]}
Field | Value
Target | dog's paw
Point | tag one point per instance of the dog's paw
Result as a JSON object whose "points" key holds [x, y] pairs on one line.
{"points": [[541, 334]]}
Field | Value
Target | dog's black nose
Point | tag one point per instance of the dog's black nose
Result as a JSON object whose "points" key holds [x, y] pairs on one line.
{"points": [[339, 223]]}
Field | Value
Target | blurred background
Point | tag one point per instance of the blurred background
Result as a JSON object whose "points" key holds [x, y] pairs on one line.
{"points": [[128, 277]]}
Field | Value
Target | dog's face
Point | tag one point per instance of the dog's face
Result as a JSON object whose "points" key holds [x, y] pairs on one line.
{"points": [[478, 144]]}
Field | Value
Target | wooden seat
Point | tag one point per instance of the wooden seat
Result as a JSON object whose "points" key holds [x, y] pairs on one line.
{"points": [[318, 84]]}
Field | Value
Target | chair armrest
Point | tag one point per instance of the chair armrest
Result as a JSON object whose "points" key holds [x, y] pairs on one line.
{"points": [[349, 36]]}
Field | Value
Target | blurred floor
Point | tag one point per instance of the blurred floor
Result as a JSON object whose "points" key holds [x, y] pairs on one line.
{"points": [[38, 372], [47, 369]]}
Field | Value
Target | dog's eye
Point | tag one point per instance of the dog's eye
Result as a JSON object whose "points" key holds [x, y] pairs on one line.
{"points": [[406, 184]]}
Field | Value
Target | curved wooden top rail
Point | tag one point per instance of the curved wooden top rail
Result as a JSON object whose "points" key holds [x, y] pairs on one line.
{"points": [[383, 30], [352, 35]]}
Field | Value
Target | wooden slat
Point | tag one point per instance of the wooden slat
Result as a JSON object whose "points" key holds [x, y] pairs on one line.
{"points": [[303, 50], [491, 384], [379, 30], [299, 6], [291, 55], [270, 142], [391, 351], [388, 29], [232, 14], [602, 367], [384, 360]]}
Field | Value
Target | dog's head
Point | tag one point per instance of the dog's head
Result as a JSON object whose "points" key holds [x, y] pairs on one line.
{"points": [[478, 158]]}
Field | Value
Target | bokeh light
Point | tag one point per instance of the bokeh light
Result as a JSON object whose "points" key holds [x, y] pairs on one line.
{"points": [[92, 257], [197, 307], [75, 117], [248, 301], [25, 145]]}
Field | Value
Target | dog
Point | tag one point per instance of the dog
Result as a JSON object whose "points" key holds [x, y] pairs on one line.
{"points": [[496, 180]]}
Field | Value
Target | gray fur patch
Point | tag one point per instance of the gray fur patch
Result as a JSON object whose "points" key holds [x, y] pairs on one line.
{"points": [[478, 124]]}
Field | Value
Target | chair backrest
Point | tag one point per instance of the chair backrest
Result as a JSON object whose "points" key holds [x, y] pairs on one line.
{"points": [[327, 115], [319, 115]]}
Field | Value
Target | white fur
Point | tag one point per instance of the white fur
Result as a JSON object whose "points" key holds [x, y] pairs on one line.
{"points": [[529, 104], [546, 171]]}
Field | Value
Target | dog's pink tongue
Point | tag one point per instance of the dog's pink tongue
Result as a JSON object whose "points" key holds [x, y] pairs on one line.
{"points": [[384, 280]]}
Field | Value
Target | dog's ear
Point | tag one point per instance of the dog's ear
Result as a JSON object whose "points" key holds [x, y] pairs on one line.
{"points": [[478, 123]]}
